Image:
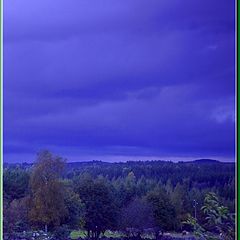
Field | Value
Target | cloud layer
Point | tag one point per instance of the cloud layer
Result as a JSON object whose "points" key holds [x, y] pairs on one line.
{"points": [[111, 79]]}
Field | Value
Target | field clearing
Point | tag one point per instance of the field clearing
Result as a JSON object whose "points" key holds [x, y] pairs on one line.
{"points": [[109, 234], [115, 234]]}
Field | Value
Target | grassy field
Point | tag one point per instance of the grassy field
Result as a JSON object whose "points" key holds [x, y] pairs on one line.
{"points": [[77, 234], [82, 234]]}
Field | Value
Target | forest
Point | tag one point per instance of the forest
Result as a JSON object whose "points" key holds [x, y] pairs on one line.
{"points": [[54, 199]]}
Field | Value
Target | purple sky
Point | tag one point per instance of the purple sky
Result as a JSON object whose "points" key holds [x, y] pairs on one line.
{"points": [[119, 80]]}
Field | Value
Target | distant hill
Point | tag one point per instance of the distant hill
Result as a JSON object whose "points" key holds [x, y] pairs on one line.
{"points": [[76, 165], [205, 160]]}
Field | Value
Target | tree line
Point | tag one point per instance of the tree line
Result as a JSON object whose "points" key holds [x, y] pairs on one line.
{"points": [[132, 197]]}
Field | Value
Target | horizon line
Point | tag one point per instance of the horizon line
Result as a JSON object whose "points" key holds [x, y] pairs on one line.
{"points": [[126, 161]]}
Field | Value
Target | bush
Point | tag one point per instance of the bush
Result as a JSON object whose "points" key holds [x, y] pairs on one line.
{"points": [[61, 233]]}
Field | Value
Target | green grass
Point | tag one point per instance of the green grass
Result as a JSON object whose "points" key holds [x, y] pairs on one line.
{"points": [[115, 234], [76, 234]]}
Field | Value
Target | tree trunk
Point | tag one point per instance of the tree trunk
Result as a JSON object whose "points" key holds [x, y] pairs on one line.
{"points": [[98, 234], [46, 228], [139, 236]]}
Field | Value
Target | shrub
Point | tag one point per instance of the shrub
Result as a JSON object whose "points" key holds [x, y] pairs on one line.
{"points": [[61, 233]]}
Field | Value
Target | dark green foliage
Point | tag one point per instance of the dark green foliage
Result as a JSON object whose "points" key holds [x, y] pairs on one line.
{"points": [[138, 214], [102, 196], [163, 210], [219, 222], [181, 201], [15, 217], [61, 233], [218, 217], [99, 202], [201, 174], [15, 183], [75, 207]]}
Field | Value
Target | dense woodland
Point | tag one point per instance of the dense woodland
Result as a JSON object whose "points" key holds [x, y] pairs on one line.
{"points": [[131, 197]]}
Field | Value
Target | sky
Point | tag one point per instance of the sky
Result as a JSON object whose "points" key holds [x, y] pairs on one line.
{"points": [[119, 80]]}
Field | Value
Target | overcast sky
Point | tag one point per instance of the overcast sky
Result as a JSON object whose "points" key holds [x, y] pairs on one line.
{"points": [[119, 80]]}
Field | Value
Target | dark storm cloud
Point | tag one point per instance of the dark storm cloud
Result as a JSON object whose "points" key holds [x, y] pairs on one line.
{"points": [[119, 78]]}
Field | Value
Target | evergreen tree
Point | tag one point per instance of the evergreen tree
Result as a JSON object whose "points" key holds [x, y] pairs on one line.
{"points": [[164, 212], [101, 212]]}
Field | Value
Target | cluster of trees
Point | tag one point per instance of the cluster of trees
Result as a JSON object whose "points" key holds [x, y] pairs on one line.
{"points": [[220, 223], [131, 197]]}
